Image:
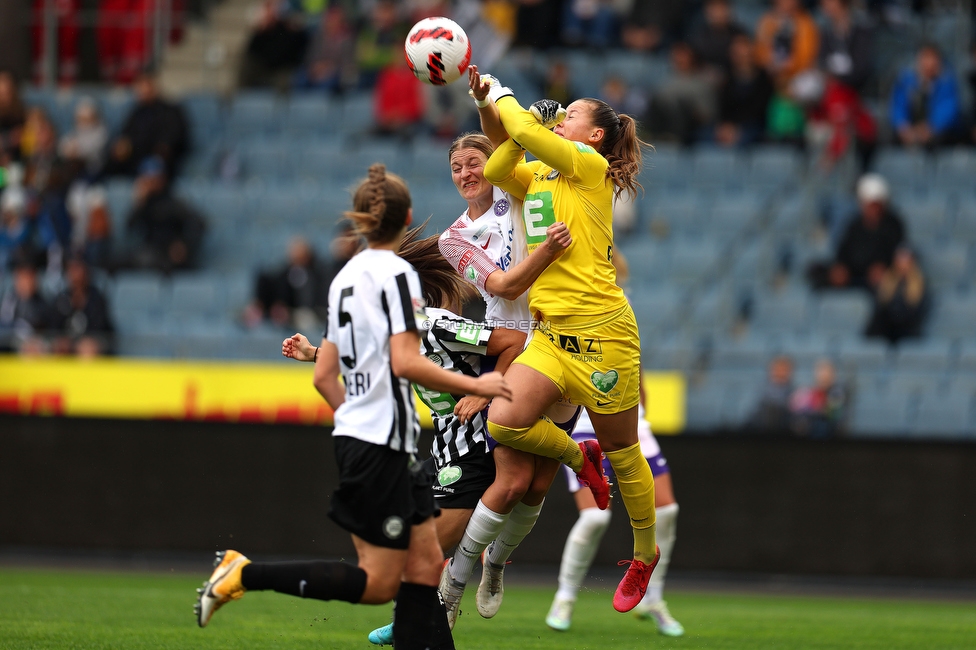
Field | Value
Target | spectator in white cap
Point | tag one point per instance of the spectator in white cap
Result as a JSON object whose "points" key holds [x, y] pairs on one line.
{"points": [[868, 244]]}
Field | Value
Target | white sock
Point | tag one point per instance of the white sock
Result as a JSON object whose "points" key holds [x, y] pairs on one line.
{"points": [[581, 545], [519, 524], [484, 526], [667, 525]]}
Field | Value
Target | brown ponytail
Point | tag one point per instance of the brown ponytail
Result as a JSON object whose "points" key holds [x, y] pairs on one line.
{"points": [[620, 146], [442, 286], [380, 205]]}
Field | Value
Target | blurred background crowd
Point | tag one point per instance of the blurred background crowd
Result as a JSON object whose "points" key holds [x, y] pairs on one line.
{"points": [[804, 254]]}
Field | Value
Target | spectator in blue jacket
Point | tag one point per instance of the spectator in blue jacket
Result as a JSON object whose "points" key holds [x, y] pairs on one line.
{"points": [[926, 108]]}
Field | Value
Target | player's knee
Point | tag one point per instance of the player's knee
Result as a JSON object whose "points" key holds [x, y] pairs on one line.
{"points": [[381, 587], [595, 521], [506, 434]]}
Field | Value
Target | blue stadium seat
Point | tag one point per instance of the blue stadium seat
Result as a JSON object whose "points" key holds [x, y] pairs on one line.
{"points": [[966, 361], [138, 295], [205, 113], [955, 168], [877, 414], [775, 167], [656, 308], [254, 112], [715, 167], [153, 345], [862, 355], [904, 169], [785, 311], [931, 355], [692, 259], [312, 115], [703, 408], [944, 414], [672, 351], [749, 352], [733, 216], [357, 114], [945, 263], [926, 215], [843, 313], [199, 294], [685, 213], [963, 227]]}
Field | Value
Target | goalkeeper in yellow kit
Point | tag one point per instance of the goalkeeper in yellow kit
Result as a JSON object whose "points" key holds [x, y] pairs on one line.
{"points": [[587, 347]]}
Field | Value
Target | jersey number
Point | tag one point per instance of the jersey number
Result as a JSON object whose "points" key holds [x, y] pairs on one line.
{"points": [[538, 215], [345, 318]]}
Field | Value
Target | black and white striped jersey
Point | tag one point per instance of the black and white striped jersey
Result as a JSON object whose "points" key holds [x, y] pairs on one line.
{"points": [[376, 295], [460, 345]]}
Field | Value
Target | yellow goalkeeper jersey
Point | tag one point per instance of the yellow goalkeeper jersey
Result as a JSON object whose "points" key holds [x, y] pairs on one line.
{"points": [[568, 183]]}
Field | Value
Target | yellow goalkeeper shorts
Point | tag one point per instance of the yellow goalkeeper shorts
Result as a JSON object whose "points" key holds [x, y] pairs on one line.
{"points": [[594, 360]]}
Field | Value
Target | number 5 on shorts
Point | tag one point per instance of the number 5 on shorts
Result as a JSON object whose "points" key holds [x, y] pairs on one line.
{"points": [[538, 216]]}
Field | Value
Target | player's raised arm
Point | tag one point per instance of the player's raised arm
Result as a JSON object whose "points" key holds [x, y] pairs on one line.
{"points": [[491, 125]]}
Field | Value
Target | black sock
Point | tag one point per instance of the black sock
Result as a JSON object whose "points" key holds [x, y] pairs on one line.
{"points": [[316, 579], [420, 620]]}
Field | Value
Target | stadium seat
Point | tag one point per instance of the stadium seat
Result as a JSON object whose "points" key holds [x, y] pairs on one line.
{"points": [[904, 169], [674, 351], [954, 168], [139, 293], [703, 408], [684, 213], [205, 113], [945, 262], [862, 355], [923, 355], [775, 167], [713, 167], [656, 308], [953, 315], [198, 294], [311, 115], [943, 415], [877, 414], [749, 352], [784, 311], [254, 112], [843, 313], [925, 215]]}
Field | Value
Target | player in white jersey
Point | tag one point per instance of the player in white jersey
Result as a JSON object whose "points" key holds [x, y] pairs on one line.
{"points": [[487, 247], [375, 311], [584, 538], [461, 464]]}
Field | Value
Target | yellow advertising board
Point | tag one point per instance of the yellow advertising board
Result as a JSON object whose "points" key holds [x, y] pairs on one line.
{"points": [[215, 391]]}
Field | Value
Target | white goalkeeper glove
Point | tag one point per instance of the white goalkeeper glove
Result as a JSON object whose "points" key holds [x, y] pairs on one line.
{"points": [[495, 89], [548, 113]]}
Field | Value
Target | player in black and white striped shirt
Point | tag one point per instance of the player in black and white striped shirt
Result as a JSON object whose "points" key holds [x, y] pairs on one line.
{"points": [[384, 498], [460, 464]]}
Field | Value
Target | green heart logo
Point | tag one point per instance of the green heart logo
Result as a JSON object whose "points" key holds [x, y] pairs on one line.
{"points": [[448, 475], [604, 381]]}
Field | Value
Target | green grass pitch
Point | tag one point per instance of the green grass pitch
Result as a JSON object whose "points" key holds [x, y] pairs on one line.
{"points": [[68, 609]]}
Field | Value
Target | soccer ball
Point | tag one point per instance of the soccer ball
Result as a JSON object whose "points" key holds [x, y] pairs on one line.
{"points": [[437, 50]]}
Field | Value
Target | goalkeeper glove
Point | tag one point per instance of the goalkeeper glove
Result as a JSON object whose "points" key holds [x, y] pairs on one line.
{"points": [[548, 113], [496, 90]]}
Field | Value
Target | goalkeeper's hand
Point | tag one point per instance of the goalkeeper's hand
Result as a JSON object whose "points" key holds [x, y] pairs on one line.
{"points": [[548, 113], [485, 86]]}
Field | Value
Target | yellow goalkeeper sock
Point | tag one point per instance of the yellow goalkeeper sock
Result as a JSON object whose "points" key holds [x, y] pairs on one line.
{"points": [[636, 485], [543, 438]]}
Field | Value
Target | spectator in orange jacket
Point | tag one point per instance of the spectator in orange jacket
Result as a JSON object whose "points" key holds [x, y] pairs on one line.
{"points": [[787, 41]]}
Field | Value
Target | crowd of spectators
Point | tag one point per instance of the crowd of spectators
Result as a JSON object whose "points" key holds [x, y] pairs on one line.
{"points": [[55, 224], [802, 68]]}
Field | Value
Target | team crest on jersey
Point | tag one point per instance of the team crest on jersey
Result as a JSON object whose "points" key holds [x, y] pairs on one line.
{"points": [[448, 475], [393, 527], [436, 358], [501, 207], [553, 175], [471, 274]]}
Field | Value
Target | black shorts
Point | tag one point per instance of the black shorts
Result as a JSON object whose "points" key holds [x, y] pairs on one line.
{"points": [[381, 493], [461, 483]]}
